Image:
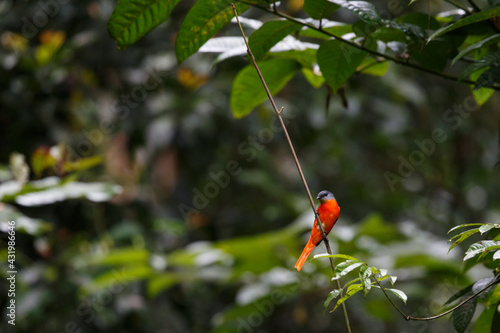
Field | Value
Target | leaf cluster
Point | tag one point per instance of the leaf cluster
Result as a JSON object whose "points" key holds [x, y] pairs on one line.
{"points": [[487, 253], [368, 277], [322, 49]]}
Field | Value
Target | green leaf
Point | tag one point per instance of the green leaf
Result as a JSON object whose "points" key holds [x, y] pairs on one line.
{"points": [[24, 224], [53, 189], [83, 163], [241, 250], [389, 34], [307, 58], [248, 92], [459, 294], [114, 279], [482, 283], [365, 274], [201, 23], [338, 62], [301, 49], [353, 289], [351, 282], [269, 34], [335, 28], [489, 78], [342, 256], [223, 44], [486, 61], [333, 294], [132, 19], [489, 249], [449, 15], [118, 257], [476, 17], [483, 323], [41, 159], [314, 79], [413, 31], [378, 271], [364, 10], [421, 20], [496, 255], [464, 226], [399, 293], [371, 66], [227, 47], [317, 9], [381, 275], [160, 283], [96, 192], [376, 227], [481, 247], [495, 322], [481, 95], [488, 226], [345, 268], [433, 55], [461, 237], [475, 46], [494, 296], [462, 316]]}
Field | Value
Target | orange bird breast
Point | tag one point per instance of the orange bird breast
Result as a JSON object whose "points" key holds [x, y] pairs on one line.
{"points": [[328, 213]]}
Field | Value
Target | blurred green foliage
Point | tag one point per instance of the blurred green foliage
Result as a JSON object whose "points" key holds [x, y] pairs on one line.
{"points": [[100, 148]]}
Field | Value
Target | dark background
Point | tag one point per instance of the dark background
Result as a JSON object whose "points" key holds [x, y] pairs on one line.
{"points": [[136, 263]]}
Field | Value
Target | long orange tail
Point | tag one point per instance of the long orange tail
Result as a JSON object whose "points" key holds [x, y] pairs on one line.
{"points": [[305, 253]]}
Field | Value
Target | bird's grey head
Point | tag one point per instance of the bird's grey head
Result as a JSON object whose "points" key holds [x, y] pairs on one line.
{"points": [[324, 196]]}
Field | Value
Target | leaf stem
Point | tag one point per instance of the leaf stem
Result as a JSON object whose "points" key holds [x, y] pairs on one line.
{"points": [[296, 160], [390, 300], [408, 318]]}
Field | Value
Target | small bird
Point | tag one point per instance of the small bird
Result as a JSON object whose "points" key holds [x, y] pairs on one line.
{"points": [[328, 212]]}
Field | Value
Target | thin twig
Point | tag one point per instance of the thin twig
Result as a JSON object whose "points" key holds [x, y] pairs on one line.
{"points": [[390, 300], [455, 307], [397, 60], [408, 318], [297, 163]]}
